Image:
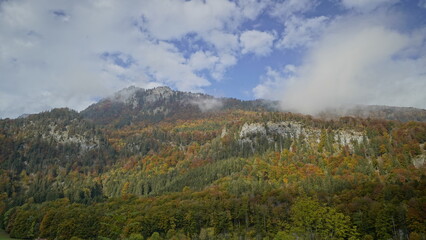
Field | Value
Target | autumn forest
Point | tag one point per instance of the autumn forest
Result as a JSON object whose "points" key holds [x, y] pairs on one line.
{"points": [[160, 165]]}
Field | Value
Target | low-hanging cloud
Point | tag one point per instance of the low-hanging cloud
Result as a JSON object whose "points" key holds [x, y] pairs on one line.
{"points": [[354, 62], [207, 104]]}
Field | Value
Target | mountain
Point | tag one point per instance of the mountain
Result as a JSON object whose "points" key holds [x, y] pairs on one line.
{"points": [[403, 114], [58, 138], [163, 164], [134, 104]]}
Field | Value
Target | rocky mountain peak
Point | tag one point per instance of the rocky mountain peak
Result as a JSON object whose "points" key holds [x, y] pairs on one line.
{"points": [[155, 94], [126, 95]]}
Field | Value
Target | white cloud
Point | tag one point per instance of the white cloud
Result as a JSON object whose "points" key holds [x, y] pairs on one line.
{"points": [[207, 104], [222, 41], [201, 60], [59, 63], [271, 85], [366, 5], [217, 65], [289, 8], [300, 32], [225, 61], [170, 19], [252, 8], [257, 42], [353, 63], [227, 49], [422, 3], [167, 65]]}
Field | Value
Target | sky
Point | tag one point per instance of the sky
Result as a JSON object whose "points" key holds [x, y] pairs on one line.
{"points": [[308, 54]]}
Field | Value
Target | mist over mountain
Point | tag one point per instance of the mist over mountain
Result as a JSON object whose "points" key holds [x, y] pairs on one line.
{"points": [[404, 114], [134, 104]]}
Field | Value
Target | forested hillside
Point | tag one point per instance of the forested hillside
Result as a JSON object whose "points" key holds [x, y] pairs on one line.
{"points": [[161, 164]]}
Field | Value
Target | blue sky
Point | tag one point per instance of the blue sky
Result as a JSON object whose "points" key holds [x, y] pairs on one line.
{"points": [[308, 54]]}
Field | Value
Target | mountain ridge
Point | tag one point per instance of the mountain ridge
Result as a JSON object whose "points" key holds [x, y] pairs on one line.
{"points": [[162, 102], [134, 104], [137, 104]]}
